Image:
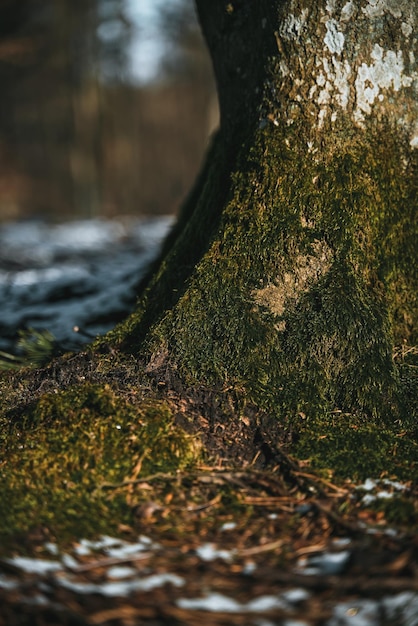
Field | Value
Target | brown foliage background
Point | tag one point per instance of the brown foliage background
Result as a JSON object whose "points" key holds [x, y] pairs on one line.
{"points": [[80, 141]]}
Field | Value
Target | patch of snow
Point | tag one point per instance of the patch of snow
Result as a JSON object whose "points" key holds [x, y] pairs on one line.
{"points": [[265, 603], [394, 483], [295, 596], [216, 602], [341, 542], [389, 532], [81, 274], [401, 609], [123, 580], [86, 546], [370, 485], [119, 589], [380, 495], [8, 583], [121, 572], [127, 550], [115, 548], [69, 561], [249, 568], [38, 600], [52, 548], [356, 613], [34, 566], [40, 243], [368, 499], [404, 605], [208, 552], [228, 526], [325, 563]]}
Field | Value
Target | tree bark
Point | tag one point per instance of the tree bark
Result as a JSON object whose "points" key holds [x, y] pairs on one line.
{"points": [[291, 272]]}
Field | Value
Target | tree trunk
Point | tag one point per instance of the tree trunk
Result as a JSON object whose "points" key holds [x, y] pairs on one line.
{"points": [[292, 271]]}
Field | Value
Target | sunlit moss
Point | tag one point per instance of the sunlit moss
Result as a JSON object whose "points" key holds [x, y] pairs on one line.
{"points": [[303, 294], [72, 443]]}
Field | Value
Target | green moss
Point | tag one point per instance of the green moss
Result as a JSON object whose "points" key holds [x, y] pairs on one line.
{"points": [[73, 442], [358, 449]]}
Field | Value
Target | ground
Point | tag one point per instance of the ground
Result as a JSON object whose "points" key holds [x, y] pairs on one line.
{"points": [[233, 520]]}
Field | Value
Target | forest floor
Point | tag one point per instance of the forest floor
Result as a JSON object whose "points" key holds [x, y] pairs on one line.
{"points": [[253, 537], [258, 550]]}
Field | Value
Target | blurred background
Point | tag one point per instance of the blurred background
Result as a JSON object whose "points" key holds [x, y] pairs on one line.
{"points": [[106, 107], [106, 110]]}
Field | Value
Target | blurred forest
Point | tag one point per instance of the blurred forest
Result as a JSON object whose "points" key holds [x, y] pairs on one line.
{"points": [[79, 137]]}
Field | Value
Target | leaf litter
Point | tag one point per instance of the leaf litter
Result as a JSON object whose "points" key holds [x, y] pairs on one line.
{"points": [[263, 551]]}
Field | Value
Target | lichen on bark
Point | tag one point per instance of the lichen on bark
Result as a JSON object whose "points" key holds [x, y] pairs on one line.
{"points": [[341, 58]]}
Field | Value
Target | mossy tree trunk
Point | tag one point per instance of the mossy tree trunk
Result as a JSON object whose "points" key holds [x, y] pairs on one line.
{"points": [[291, 273]]}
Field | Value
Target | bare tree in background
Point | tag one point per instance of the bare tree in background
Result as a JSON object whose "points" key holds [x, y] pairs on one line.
{"points": [[53, 55], [188, 57], [78, 137]]}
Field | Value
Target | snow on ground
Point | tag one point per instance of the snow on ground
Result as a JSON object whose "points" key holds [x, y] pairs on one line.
{"points": [[124, 576], [81, 273]]}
